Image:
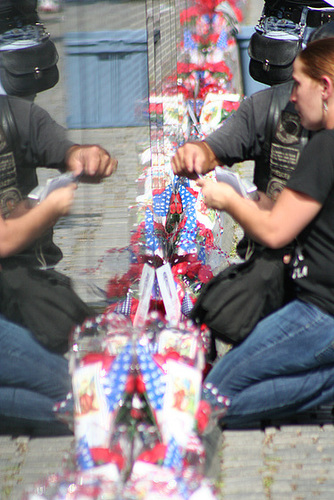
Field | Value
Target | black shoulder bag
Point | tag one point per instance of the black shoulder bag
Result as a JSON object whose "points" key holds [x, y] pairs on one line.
{"points": [[44, 302], [235, 300], [271, 55], [30, 70]]}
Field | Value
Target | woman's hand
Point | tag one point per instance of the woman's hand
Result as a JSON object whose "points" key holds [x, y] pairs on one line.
{"points": [[61, 200], [275, 226], [216, 195]]}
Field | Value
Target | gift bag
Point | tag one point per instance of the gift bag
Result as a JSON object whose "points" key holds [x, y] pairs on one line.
{"points": [[44, 302], [29, 70], [235, 300]]}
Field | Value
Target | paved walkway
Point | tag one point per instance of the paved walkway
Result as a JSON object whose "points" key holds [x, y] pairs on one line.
{"points": [[285, 461]]}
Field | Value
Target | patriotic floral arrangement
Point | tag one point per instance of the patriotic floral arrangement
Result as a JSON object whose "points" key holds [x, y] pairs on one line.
{"points": [[140, 413], [203, 89], [208, 55], [175, 229]]}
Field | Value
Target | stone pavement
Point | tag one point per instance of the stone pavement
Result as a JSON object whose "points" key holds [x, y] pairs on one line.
{"points": [[282, 461]]}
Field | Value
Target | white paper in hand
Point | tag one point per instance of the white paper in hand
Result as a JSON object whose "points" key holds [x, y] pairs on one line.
{"points": [[244, 187], [231, 178], [41, 192]]}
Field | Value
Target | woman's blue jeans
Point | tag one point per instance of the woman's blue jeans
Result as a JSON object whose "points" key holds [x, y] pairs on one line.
{"points": [[32, 379], [284, 367]]}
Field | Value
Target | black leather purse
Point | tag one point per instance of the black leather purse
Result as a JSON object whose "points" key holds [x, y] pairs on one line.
{"points": [[275, 44], [30, 70], [44, 301], [271, 59], [234, 301]]}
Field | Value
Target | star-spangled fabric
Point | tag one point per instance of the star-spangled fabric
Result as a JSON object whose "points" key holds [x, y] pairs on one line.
{"points": [[174, 455], [202, 254], [187, 304], [161, 200], [114, 382], [188, 195], [125, 306], [183, 487], [222, 42], [188, 41], [153, 376], [187, 238], [83, 455]]}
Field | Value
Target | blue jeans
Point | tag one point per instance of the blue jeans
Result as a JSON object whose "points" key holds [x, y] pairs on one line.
{"points": [[32, 379], [285, 366]]}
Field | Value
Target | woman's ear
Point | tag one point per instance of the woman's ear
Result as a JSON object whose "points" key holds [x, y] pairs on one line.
{"points": [[327, 87]]}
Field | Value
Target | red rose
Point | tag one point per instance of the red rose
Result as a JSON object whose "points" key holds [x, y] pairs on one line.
{"points": [[136, 414], [203, 415], [140, 384], [135, 271], [118, 287], [173, 355], [155, 455], [205, 274], [180, 268], [130, 385], [193, 269], [95, 357], [230, 106], [104, 456], [191, 257]]}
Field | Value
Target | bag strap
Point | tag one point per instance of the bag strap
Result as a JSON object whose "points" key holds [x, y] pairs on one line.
{"points": [[278, 102], [272, 120], [9, 127]]}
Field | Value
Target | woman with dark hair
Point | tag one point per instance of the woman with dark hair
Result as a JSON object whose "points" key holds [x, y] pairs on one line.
{"points": [[286, 365]]}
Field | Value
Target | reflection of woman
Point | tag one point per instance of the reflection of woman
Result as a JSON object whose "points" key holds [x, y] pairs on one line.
{"points": [[286, 365]]}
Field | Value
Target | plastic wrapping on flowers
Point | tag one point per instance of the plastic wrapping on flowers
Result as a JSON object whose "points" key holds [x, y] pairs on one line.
{"points": [[138, 412]]}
